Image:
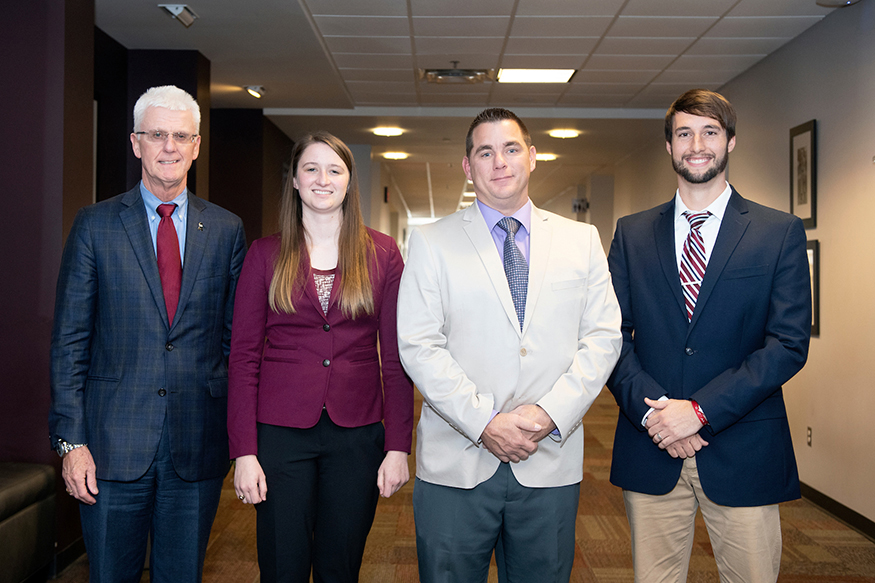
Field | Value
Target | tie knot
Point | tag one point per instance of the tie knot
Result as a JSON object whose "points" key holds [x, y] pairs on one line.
{"points": [[509, 225], [165, 210], [696, 219]]}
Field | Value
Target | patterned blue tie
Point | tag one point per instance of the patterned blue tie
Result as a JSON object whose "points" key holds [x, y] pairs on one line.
{"points": [[515, 267]]}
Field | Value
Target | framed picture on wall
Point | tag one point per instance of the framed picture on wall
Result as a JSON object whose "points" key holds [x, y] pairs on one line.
{"points": [[814, 272], [803, 173]]}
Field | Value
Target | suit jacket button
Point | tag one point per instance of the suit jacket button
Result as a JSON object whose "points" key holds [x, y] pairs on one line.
{"points": [[168, 347], [689, 351], [326, 327], [523, 352], [161, 392], [326, 362]]}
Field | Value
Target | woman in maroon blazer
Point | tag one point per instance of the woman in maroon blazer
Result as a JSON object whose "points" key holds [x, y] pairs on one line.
{"points": [[308, 389]]}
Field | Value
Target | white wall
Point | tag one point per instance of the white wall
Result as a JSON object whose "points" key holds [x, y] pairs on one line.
{"points": [[827, 74]]}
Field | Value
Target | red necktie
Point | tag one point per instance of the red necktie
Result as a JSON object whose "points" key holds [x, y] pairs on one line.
{"points": [[169, 263], [693, 260]]}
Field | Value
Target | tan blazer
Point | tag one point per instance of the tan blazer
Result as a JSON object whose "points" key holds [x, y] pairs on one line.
{"points": [[460, 341]]}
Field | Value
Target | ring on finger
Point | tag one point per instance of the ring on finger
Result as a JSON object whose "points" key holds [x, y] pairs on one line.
{"points": [[658, 437], [241, 497]]}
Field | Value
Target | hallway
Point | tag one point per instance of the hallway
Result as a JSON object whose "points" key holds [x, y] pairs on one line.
{"points": [[817, 548]]}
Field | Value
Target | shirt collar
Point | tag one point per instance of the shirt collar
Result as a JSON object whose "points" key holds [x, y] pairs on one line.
{"points": [[151, 201], [492, 216], [716, 208]]}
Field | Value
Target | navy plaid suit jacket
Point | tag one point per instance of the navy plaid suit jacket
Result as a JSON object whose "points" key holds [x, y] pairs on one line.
{"points": [[118, 370]]}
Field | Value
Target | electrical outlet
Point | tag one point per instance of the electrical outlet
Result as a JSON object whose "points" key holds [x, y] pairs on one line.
{"points": [[809, 437]]}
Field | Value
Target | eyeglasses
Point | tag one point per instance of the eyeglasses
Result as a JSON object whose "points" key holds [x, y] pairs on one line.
{"points": [[159, 137]]}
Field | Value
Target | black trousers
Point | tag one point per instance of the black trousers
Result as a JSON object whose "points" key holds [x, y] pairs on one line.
{"points": [[321, 498]]}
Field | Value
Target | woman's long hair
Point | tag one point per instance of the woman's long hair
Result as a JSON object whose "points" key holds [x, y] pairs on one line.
{"points": [[355, 246]]}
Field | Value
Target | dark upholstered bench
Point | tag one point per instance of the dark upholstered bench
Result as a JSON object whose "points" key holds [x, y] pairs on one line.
{"points": [[27, 519]]}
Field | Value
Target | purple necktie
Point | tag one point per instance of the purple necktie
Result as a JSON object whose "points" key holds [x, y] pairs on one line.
{"points": [[693, 261], [169, 263]]}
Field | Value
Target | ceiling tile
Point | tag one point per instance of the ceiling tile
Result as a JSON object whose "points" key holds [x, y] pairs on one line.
{"points": [[533, 88], [464, 99], [579, 100], [542, 61], [550, 46], [647, 26], [468, 26], [779, 8], [569, 8], [363, 25], [380, 44], [372, 60], [629, 62], [357, 87], [433, 45], [766, 26], [705, 62], [627, 89], [697, 78], [352, 7], [596, 76], [735, 46], [677, 8], [643, 46], [460, 8], [398, 75], [548, 26]]}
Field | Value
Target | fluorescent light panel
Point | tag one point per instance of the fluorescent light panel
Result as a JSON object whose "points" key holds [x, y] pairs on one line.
{"points": [[535, 75]]}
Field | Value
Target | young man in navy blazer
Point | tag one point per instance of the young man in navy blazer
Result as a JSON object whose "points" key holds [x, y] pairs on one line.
{"points": [[703, 422], [139, 357]]}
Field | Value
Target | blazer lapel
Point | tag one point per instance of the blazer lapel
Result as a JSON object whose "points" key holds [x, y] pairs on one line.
{"points": [[540, 240], [663, 232], [197, 233], [133, 218], [732, 228], [475, 227]]}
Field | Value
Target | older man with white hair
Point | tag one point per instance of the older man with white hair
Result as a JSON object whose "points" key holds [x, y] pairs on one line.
{"points": [[139, 356]]}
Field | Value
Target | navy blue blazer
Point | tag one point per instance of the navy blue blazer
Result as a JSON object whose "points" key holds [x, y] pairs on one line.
{"points": [[749, 334], [118, 371]]}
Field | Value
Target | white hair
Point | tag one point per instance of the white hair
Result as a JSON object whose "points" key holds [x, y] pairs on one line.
{"points": [[169, 97]]}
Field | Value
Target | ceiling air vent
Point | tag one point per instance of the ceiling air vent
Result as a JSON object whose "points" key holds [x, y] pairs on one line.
{"points": [[457, 75]]}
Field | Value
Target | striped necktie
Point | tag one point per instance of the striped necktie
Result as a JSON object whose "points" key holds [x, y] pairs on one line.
{"points": [[693, 262]]}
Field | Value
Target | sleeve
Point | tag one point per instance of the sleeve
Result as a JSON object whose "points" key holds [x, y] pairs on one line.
{"points": [[423, 346], [598, 348], [237, 256], [629, 383], [736, 392], [397, 386], [247, 344], [76, 303]]}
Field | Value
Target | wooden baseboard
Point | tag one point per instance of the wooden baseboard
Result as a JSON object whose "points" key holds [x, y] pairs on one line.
{"points": [[850, 517]]}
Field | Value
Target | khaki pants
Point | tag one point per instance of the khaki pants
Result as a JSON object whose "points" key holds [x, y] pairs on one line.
{"points": [[746, 541]]}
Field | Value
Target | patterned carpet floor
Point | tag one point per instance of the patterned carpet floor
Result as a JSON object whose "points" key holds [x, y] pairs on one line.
{"points": [[817, 547]]}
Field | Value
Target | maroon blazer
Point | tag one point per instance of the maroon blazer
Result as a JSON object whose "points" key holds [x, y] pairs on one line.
{"points": [[285, 367]]}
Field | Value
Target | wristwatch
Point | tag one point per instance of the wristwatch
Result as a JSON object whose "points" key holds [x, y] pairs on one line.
{"points": [[62, 447]]}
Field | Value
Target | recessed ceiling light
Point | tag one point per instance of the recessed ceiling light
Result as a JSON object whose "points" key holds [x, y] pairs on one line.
{"points": [[180, 12], [563, 133], [534, 75], [388, 132], [836, 3], [256, 91], [396, 155], [545, 157], [469, 195]]}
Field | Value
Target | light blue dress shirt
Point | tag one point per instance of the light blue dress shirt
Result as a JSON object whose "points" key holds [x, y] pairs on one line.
{"points": [[179, 216]]}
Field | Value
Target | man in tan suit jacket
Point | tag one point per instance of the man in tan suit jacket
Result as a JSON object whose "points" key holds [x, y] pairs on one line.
{"points": [[498, 375]]}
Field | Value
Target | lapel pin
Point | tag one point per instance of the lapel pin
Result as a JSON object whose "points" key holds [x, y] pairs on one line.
{"points": [[200, 226]]}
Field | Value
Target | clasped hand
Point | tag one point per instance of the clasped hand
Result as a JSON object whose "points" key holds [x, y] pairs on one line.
{"points": [[514, 436], [674, 427]]}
